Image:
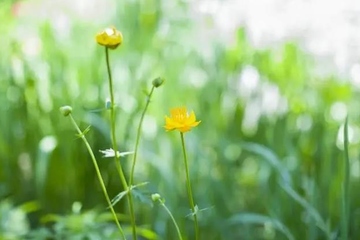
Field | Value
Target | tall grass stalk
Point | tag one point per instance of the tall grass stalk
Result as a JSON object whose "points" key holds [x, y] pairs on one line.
{"points": [[188, 186], [345, 188], [114, 145], [82, 136]]}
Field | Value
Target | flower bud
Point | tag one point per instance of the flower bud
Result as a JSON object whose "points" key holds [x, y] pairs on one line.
{"points": [[155, 197], [66, 110], [110, 38], [157, 82]]}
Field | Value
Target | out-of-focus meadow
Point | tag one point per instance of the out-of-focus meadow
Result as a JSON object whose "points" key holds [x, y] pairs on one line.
{"points": [[266, 162]]}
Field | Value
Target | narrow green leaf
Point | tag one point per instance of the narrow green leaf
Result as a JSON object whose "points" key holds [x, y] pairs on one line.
{"points": [[253, 218], [345, 187], [305, 204], [270, 157], [118, 197], [80, 135]]}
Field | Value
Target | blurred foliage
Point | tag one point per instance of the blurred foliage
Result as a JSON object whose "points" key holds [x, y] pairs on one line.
{"points": [[276, 175]]}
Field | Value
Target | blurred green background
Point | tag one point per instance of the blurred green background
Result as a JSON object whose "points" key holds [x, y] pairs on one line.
{"points": [[266, 162]]}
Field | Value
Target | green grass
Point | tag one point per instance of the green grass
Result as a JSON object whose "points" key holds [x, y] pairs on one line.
{"points": [[273, 182]]}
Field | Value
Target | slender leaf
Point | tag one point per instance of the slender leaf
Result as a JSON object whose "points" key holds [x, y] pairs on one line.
{"points": [[253, 218]]}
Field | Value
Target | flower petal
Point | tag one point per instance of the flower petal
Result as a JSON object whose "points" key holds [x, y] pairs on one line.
{"points": [[194, 124], [192, 117]]}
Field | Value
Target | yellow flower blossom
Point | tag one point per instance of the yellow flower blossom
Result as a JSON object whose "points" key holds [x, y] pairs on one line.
{"points": [[180, 120], [110, 38]]}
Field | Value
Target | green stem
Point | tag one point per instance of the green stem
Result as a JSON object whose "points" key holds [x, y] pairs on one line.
{"points": [[188, 185], [114, 144], [172, 218], [138, 136], [98, 175], [345, 198]]}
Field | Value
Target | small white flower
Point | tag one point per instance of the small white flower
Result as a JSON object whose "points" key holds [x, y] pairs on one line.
{"points": [[110, 153]]}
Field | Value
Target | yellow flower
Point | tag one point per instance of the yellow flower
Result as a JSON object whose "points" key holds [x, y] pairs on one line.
{"points": [[110, 38], [180, 120]]}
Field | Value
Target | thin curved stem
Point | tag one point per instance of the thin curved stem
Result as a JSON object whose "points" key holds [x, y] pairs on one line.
{"points": [[98, 175], [138, 136], [172, 218], [188, 186], [114, 144]]}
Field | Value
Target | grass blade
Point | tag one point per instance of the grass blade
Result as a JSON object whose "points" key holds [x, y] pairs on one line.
{"points": [[345, 190], [270, 157], [253, 218]]}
